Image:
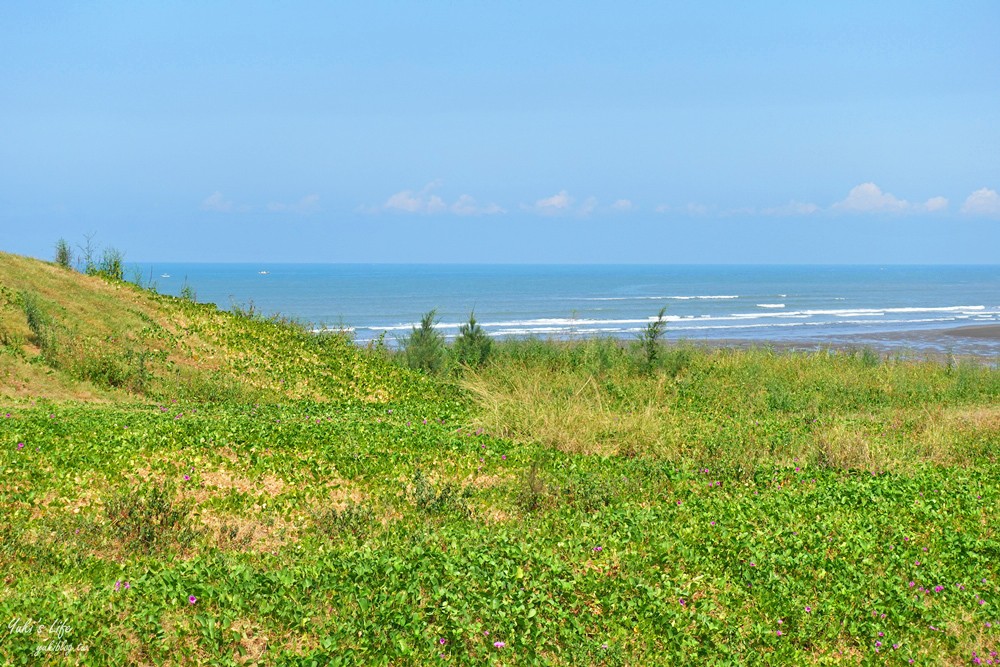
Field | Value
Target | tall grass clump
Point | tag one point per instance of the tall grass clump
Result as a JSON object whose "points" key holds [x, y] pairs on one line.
{"points": [[40, 324], [424, 348], [473, 345]]}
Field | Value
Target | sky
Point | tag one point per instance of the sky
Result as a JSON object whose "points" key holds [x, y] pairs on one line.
{"points": [[547, 132]]}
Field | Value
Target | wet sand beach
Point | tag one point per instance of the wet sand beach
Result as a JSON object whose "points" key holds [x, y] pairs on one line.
{"points": [[981, 342]]}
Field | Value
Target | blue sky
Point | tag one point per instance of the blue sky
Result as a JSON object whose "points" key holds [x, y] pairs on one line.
{"points": [[661, 132]]}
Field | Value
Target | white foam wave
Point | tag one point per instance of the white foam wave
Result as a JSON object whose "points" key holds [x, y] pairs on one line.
{"points": [[770, 305], [772, 317], [658, 298]]}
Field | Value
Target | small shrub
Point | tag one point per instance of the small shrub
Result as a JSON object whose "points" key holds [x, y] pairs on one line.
{"points": [[473, 345], [127, 370], [429, 499], [112, 264], [188, 293], [40, 325], [586, 494], [64, 254], [424, 347], [534, 493], [354, 519], [650, 338], [146, 517]]}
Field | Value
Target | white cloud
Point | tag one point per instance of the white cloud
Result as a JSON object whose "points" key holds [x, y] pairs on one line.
{"points": [[308, 204], [691, 208], [792, 208], [408, 201], [623, 205], [982, 202], [869, 198], [935, 204], [562, 203], [424, 202], [217, 202], [467, 205], [554, 205]]}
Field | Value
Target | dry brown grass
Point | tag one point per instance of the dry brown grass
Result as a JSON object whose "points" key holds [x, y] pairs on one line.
{"points": [[563, 410]]}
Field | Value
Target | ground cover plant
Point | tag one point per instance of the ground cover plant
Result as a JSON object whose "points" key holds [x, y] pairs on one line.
{"points": [[561, 504]]}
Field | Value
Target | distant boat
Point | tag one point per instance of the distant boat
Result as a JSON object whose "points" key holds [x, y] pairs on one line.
{"points": [[164, 275], [263, 273]]}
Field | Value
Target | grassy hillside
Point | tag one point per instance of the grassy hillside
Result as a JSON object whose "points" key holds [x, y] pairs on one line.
{"points": [[64, 335], [252, 494]]}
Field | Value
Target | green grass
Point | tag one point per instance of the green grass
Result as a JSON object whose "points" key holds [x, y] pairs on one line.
{"points": [[311, 503]]}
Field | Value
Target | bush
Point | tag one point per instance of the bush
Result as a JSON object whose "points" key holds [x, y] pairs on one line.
{"points": [[650, 338], [354, 519], [424, 347], [112, 264], [40, 325], [429, 499], [145, 517], [64, 254], [473, 345]]}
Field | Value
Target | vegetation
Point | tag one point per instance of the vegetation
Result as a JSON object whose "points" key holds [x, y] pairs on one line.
{"points": [[64, 254], [473, 345], [650, 339], [268, 496], [424, 348]]}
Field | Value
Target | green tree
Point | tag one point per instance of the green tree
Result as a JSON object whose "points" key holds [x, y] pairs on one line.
{"points": [[650, 338], [473, 345], [424, 347], [64, 254], [112, 264]]}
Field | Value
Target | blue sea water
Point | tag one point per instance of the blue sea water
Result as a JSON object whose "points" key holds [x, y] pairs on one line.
{"points": [[755, 303]]}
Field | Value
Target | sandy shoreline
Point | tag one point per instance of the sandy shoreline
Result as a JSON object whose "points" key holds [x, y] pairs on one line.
{"points": [[978, 341], [990, 331]]}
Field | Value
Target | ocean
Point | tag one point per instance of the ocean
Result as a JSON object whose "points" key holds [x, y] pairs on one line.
{"points": [[901, 306]]}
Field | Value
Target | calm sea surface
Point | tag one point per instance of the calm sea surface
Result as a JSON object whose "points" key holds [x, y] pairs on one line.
{"points": [[774, 303]]}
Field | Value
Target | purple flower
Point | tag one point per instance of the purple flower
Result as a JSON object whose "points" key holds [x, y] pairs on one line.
{"points": [[682, 602], [20, 446], [808, 609], [778, 633], [441, 641], [938, 588], [192, 599], [118, 585], [598, 548], [499, 644], [187, 478]]}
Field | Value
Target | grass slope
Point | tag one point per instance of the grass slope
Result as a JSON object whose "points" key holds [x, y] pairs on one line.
{"points": [[270, 498], [95, 339]]}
